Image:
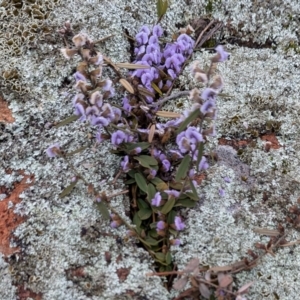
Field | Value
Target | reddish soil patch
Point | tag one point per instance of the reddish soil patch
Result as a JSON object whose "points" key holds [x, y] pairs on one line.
{"points": [[236, 144], [8, 219], [5, 112], [272, 141], [24, 294]]}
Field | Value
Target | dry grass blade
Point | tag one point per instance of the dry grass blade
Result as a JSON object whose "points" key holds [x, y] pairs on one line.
{"points": [[127, 85], [265, 231], [145, 92], [245, 288], [167, 114], [131, 66], [151, 133]]}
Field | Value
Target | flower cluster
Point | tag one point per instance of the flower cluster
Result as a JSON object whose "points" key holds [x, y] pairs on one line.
{"points": [[165, 63]]}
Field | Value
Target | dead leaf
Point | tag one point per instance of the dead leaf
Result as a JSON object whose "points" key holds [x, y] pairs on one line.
{"points": [[151, 133], [127, 85], [191, 266], [131, 66], [167, 114], [204, 291], [180, 283]]}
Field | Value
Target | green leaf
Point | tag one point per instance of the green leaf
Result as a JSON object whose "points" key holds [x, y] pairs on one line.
{"points": [[190, 195], [168, 258], [200, 153], [160, 256], [173, 232], [145, 213], [68, 189], [146, 161], [162, 6], [142, 204], [194, 191], [131, 146], [188, 120], [183, 168], [130, 181], [137, 220], [153, 233], [76, 151], [103, 210], [151, 241], [67, 121], [169, 268], [131, 173], [168, 206], [171, 216], [176, 185], [151, 191], [141, 182], [160, 185], [185, 203]]}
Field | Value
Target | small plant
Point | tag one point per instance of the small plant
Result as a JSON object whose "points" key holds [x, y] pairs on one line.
{"points": [[160, 158]]}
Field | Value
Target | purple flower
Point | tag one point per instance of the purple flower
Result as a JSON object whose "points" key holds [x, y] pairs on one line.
{"points": [[99, 121], [145, 29], [118, 137], [208, 106], [114, 224], [161, 225], [188, 139], [157, 31], [166, 165], [154, 51], [156, 200], [153, 40], [187, 42], [80, 111], [222, 54], [153, 172], [141, 38], [149, 59], [174, 62], [172, 193], [227, 179], [208, 94], [99, 137], [193, 135], [139, 50], [126, 104], [203, 165], [175, 242], [108, 87], [125, 164], [221, 192], [53, 150], [179, 225], [78, 76], [92, 110]]}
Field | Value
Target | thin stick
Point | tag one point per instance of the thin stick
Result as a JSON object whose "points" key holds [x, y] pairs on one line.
{"points": [[165, 99], [103, 39]]}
